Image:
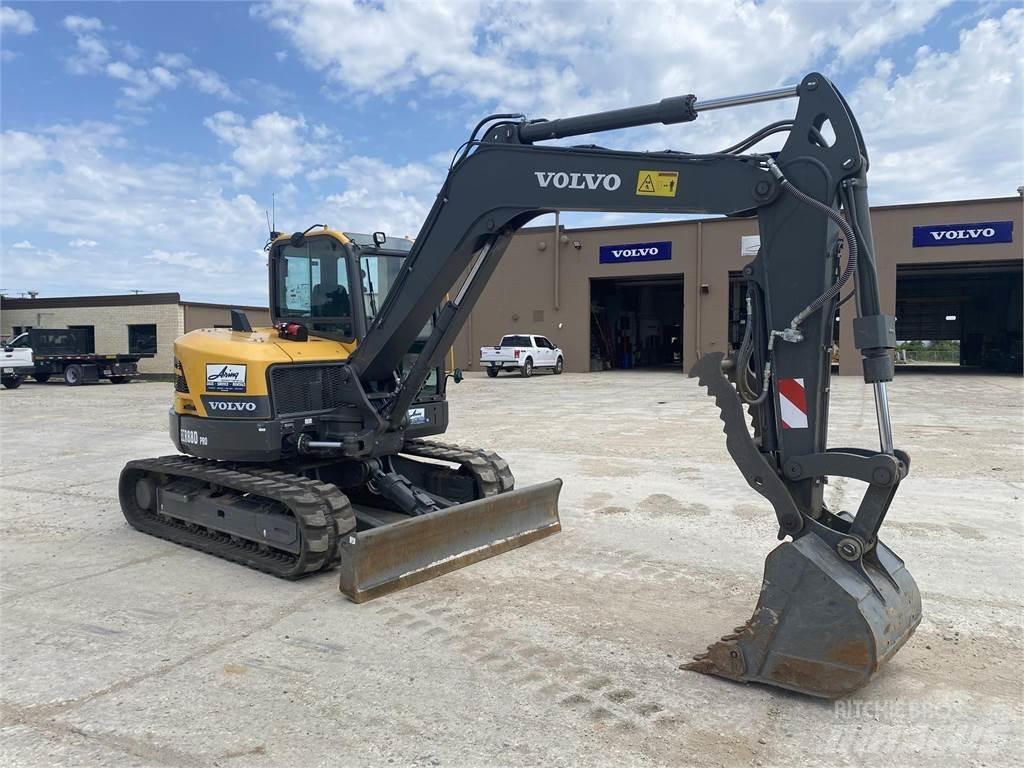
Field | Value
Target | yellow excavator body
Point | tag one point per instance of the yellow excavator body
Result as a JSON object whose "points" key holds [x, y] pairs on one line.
{"points": [[203, 353]]}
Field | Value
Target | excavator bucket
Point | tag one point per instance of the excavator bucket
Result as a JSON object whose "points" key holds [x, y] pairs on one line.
{"points": [[822, 625], [392, 557]]}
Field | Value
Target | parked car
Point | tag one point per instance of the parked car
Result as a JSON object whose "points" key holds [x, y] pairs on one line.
{"points": [[522, 352], [66, 352]]}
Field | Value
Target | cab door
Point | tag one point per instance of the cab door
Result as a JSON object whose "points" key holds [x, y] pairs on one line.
{"points": [[546, 351]]}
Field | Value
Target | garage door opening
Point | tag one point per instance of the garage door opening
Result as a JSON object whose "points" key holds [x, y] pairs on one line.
{"points": [[636, 322], [960, 315]]}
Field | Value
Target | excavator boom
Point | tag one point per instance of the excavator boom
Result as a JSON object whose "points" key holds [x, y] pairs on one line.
{"points": [[836, 603]]}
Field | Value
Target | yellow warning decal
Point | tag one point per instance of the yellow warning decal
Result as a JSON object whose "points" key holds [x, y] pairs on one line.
{"points": [[657, 183]]}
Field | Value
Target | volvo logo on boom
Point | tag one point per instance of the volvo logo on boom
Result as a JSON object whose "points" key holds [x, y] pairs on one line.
{"points": [[564, 180]]}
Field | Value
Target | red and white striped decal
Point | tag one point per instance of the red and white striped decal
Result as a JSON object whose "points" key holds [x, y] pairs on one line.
{"points": [[792, 404]]}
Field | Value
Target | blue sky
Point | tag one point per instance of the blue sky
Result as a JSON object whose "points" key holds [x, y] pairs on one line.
{"points": [[141, 142]]}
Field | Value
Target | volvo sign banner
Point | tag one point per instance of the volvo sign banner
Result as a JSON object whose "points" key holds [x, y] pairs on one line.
{"points": [[963, 234], [624, 254]]}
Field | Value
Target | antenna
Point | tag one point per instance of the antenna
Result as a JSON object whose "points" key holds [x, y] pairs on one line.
{"points": [[272, 219]]}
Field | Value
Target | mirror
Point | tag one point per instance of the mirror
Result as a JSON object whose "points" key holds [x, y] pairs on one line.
{"points": [[8, 348], [379, 238], [297, 239], [458, 375]]}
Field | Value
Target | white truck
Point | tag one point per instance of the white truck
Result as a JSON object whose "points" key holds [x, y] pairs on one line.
{"points": [[65, 352], [523, 353], [15, 365]]}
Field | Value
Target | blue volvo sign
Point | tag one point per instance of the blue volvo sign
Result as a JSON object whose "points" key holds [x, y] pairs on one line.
{"points": [[621, 254], [964, 234]]}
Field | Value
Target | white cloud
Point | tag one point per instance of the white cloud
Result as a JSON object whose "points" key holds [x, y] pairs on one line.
{"points": [[190, 260], [91, 181], [381, 196], [141, 87], [8, 55], [16, 21], [91, 53], [281, 55], [129, 51], [164, 77], [77, 183], [173, 60], [272, 144], [20, 150], [603, 55], [175, 257], [209, 82], [874, 27], [92, 56], [41, 266], [970, 147], [585, 55], [24, 245], [81, 24]]}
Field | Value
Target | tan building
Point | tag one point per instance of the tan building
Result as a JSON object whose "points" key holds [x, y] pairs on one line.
{"points": [[948, 271], [146, 323], [662, 295]]}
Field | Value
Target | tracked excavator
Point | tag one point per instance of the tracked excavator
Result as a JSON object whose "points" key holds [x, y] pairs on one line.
{"points": [[307, 444]]}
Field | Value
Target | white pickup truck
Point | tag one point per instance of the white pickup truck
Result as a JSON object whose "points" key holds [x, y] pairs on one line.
{"points": [[523, 353], [15, 365]]}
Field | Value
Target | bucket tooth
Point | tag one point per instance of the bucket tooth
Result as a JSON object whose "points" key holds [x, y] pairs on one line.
{"points": [[819, 627]]}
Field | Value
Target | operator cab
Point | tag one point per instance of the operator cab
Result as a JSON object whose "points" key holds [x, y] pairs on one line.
{"points": [[334, 284], [331, 282]]}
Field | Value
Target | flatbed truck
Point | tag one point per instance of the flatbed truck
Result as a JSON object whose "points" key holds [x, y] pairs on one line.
{"points": [[43, 353]]}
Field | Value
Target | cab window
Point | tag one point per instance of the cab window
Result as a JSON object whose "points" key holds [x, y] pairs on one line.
{"points": [[312, 286]]}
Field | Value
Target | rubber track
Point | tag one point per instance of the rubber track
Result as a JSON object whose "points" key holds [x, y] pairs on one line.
{"points": [[319, 519], [339, 509], [323, 512], [491, 472]]}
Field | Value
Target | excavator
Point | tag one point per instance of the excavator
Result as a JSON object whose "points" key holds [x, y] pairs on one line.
{"points": [[306, 446]]}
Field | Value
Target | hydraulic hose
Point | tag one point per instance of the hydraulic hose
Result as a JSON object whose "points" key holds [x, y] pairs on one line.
{"points": [[848, 233], [743, 361], [792, 334], [758, 136]]}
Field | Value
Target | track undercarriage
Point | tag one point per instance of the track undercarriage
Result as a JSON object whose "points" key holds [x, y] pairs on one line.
{"points": [[292, 519]]}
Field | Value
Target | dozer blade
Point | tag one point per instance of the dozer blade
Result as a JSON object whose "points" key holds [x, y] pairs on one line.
{"points": [[396, 556], [820, 626]]}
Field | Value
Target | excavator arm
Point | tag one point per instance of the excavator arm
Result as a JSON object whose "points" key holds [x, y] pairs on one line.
{"points": [[836, 603]]}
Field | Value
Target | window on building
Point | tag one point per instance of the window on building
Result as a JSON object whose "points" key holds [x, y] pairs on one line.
{"points": [[88, 336], [142, 339]]}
